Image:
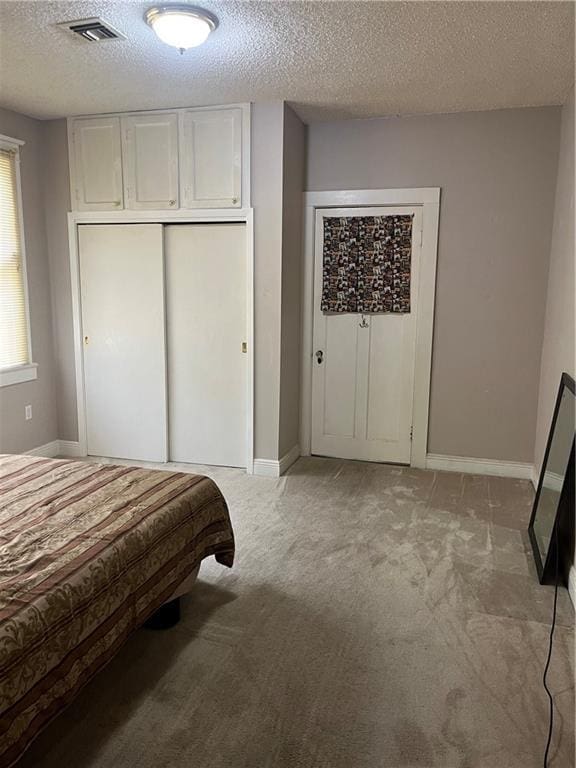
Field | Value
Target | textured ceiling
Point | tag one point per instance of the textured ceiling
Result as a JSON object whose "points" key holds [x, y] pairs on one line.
{"points": [[329, 59]]}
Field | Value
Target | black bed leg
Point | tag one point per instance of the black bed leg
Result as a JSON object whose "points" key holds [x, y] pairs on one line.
{"points": [[166, 616]]}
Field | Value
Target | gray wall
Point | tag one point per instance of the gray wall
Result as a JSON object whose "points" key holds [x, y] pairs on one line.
{"points": [[57, 204], [16, 434], [267, 190], [266, 173], [277, 177], [294, 170], [497, 171], [266, 181], [558, 347]]}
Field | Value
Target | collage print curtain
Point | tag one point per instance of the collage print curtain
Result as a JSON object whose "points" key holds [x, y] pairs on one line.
{"points": [[366, 264]]}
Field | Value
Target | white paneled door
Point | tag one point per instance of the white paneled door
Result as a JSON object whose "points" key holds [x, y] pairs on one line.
{"points": [[363, 366], [97, 160], [211, 156], [150, 150], [122, 298], [206, 335]]}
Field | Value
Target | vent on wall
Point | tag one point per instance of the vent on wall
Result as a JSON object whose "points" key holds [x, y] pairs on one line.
{"points": [[94, 30]]}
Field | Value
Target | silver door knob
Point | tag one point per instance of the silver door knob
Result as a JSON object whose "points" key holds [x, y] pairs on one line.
{"points": [[319, 356]]}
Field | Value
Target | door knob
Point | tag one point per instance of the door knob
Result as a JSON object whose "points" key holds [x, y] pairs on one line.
{"points": [[319, 356]]}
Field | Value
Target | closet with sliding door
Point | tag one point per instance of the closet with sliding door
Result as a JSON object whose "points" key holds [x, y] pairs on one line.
{"points": [[163, 297]]}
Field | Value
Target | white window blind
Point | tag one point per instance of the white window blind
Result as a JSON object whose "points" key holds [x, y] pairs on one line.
{"points": [[13, 317]]}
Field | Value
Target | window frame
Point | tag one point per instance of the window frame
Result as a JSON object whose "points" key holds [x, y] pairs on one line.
{"points": [[16, 374]]}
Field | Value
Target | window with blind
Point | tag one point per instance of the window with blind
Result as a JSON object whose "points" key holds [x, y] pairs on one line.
{"points": [[14, 340]]}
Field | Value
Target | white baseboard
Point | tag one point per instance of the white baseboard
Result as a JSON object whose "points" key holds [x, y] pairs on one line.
{"points": [[273, 468], [57, 448], [71, 448], [266, 468], [289, 458], [48, 449], [515, 469]]}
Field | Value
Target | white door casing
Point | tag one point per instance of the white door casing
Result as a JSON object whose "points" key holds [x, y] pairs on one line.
{"points": [[428, 200], [75, 222], [122, 306], [362, 380], [206, 329]]}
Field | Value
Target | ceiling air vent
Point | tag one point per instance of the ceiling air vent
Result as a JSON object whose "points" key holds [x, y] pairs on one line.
{"points": [[93, 30]]}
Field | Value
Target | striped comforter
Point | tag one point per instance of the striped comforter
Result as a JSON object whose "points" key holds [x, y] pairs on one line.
{"points": [[87, 553]]}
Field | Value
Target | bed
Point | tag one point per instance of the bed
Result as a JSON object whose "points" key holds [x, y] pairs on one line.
{"points": [[88, 553]]}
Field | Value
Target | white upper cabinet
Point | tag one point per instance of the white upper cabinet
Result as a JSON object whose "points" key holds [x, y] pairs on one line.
{"points": [[211, 158], [172, 160], [97, 164], [150, 152]]}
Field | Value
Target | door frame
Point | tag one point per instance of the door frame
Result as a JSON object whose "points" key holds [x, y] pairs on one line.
{"points": [[199, 216], [428, 198]]}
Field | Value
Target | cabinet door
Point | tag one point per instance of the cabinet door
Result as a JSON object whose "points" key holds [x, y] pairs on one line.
{"points": [[97, 164], [211, 158], [150, 150]]}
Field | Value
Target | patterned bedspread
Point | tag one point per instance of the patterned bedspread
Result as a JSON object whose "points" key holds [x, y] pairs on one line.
{"points": [[87, 553]]}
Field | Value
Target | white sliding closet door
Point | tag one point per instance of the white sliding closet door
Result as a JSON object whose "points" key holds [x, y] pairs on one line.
{"points": [[206, 328], [122, 295]]}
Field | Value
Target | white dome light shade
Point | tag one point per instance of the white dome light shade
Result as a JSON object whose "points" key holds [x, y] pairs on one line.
{"points": [[181, 26]]}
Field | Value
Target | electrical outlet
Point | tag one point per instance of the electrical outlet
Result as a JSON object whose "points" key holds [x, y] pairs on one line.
{"points": [[28, 412]]}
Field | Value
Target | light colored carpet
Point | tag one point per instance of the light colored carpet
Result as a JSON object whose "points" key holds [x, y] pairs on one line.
{"points": [[376, 617]]}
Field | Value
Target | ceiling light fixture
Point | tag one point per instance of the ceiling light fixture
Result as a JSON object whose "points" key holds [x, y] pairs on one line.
{"points": [[182, 26]]}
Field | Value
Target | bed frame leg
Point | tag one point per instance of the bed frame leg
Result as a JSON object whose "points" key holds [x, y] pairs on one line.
{"points": [[166, 616]]}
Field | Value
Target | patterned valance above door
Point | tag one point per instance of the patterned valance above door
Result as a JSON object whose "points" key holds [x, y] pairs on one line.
{"points": [[366, 264]]}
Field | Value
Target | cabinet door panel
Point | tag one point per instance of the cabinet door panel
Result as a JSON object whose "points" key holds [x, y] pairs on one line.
{"points": [[98, 164], [211, 155], [150, 149]]}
